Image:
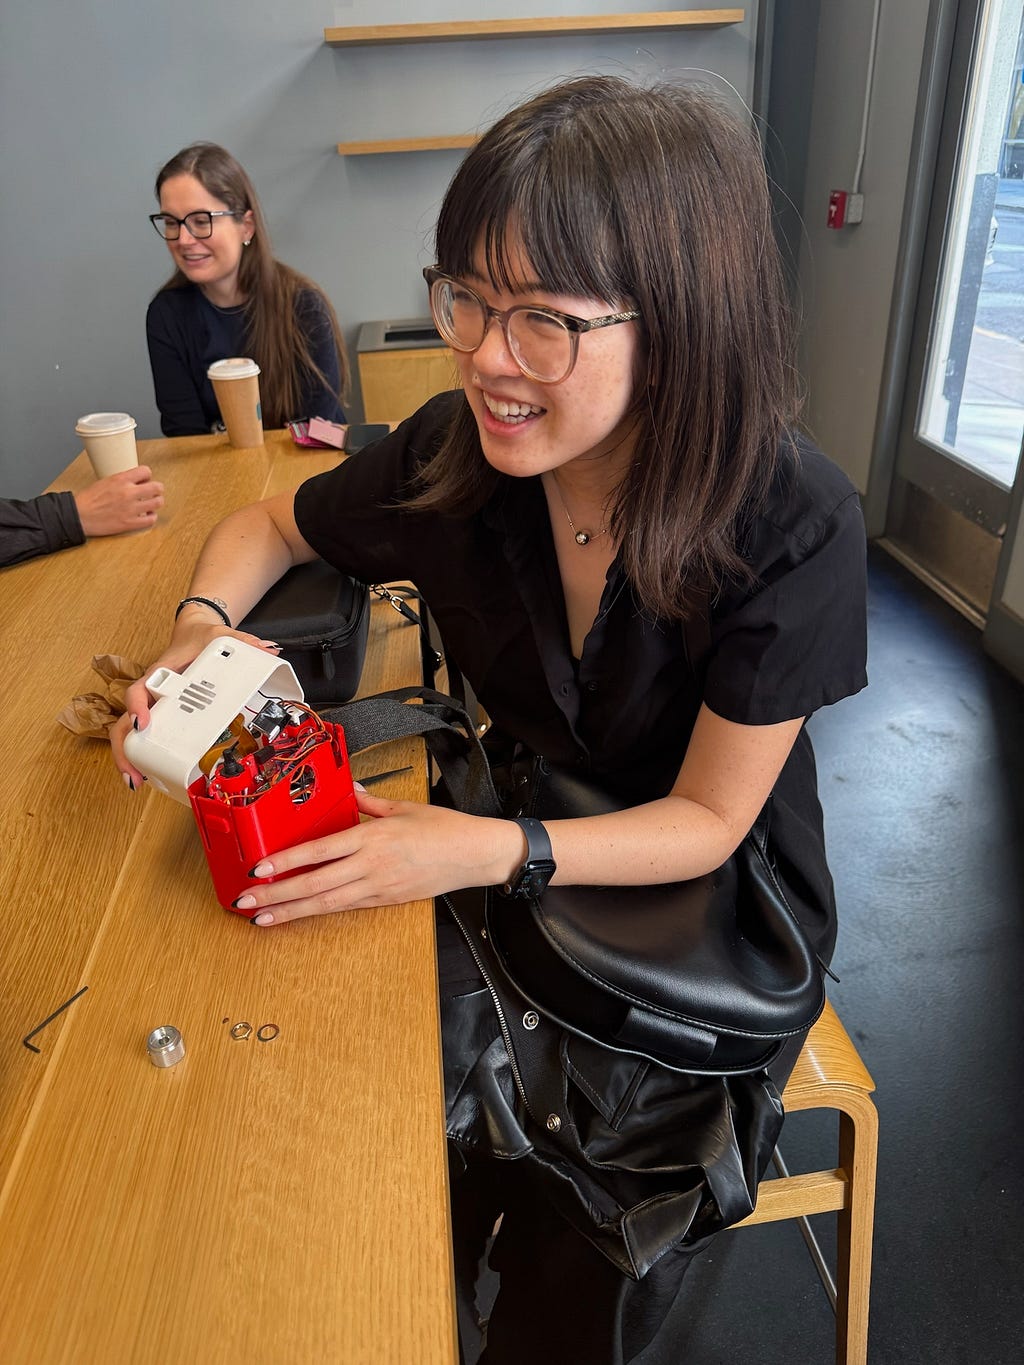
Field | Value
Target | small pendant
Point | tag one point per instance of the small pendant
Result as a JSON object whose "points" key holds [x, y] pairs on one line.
{"points": [[582, 537]]}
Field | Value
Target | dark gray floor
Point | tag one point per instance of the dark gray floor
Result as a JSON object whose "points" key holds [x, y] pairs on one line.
{"points": [[921, 779]]}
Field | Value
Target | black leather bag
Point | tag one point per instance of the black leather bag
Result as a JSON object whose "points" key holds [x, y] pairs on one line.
{"points": [[710, 976], [638, 1155], [321, 620]]}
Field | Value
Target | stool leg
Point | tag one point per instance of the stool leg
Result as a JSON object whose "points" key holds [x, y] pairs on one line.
{"points": [[810, 1240], [858, 1151]]}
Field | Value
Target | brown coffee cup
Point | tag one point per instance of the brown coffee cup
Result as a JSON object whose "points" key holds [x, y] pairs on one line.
{"points": [[109, 440], [236, 385]]}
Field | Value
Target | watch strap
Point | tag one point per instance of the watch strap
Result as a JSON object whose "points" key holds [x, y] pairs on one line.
{"points": [[539, 866]]}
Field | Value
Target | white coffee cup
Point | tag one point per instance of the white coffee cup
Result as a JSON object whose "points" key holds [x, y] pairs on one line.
{"points": [[236, 385], [109, 440]]}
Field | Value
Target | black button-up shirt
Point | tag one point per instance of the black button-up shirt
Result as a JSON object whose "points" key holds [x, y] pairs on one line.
{"points": [[780, 647]]}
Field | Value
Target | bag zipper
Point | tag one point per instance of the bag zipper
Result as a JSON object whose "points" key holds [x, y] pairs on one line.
{"points": [[502, 1022]]}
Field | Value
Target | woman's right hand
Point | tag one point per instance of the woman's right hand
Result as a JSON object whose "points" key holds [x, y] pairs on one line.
{"points": [[191, 636]]}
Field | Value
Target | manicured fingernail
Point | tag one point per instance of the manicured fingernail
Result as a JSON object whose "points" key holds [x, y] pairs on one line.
{"points": [[265, 918], [263, 869], [359, 786], [245, 902], [135, 722], [126, 779]]}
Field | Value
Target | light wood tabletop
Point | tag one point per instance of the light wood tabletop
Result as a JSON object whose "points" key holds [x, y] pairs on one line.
{"points": [[280, 1201]]}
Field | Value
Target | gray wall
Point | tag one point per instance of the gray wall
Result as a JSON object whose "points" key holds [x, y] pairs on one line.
{"points": [[847, 278], [96, 94]]}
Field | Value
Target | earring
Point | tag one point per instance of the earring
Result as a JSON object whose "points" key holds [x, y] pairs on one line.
{"points": [[247, 241]]}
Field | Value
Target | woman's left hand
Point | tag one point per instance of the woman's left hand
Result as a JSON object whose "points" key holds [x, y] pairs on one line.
{"points": [[404, 851]]}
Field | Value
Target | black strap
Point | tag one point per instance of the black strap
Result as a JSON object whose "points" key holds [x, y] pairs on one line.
{"points": [[431, 656], [449, 734]]}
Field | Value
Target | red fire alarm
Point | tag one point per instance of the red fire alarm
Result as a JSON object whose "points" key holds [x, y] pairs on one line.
{"points": [[845, 207]]}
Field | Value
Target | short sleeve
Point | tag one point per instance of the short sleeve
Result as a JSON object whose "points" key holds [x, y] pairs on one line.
{"points": [[352, 515], [798, 640]]}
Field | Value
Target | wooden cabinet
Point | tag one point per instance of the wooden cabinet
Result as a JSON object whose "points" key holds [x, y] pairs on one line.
{"points": [[396, 383], [401, 365]]}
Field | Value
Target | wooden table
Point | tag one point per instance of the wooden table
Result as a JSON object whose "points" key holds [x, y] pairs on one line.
{"points": [[260, 1202]]}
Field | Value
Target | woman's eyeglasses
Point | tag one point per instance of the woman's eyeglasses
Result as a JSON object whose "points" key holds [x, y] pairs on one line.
{"points": [[542, 341], [199, 223]]}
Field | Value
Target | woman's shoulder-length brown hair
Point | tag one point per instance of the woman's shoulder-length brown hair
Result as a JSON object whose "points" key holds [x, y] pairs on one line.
{"points": [[655, 199]]}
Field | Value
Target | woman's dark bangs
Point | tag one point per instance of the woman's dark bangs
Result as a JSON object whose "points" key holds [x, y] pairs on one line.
{"points": [[567, 236], [563, 228]]}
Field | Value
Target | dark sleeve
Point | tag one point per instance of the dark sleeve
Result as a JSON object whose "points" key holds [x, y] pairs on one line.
{"points": [[318, 399], [174, 382], [352, 514], [799, 640], [38, 527]]}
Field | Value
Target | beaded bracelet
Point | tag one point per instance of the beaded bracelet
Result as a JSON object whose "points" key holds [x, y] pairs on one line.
{"points": [[205, 602]]}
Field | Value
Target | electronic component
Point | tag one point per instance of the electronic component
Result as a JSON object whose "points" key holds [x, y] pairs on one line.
{"points": [[270, 772]]}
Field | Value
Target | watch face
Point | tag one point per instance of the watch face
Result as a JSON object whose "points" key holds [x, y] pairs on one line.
{"points": [[531, 879]]}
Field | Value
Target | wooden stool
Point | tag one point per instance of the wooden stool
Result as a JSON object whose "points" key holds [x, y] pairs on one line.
{"points": [[829, 1074]]}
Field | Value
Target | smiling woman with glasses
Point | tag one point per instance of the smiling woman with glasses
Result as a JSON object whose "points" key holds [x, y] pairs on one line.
{"points": [[649, 579], [228, 296]]}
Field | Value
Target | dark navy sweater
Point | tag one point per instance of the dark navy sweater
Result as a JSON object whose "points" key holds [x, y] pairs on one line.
{"points": [[187, 333]]}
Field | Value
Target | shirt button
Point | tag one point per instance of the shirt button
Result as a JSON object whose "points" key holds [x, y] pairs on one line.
{"points": [[592, 686]]}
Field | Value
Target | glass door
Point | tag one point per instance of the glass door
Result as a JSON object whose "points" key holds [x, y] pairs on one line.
{"points": [[960, 441]]}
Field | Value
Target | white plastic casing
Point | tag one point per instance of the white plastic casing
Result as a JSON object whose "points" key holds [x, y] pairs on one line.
{"points": [[194, 709]]}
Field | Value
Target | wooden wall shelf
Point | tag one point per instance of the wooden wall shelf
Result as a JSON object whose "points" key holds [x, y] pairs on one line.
{"points": [[569, 25], [408, 144], [578, 24]]}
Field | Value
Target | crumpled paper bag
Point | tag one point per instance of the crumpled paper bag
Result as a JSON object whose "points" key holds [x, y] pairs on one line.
{"points": [[93, 713]]}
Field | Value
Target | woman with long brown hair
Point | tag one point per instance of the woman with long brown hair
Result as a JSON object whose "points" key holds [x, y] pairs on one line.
{"points": [[618, 474], [228, 296]]}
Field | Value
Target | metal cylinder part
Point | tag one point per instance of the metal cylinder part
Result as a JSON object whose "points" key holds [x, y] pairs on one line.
{"points": [[165, 1046]]}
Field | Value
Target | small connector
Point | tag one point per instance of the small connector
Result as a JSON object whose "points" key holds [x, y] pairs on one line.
{"points": [[231, 767]]}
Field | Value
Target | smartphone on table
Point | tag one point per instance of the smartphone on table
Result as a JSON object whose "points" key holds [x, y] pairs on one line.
{"points": [[361, 434]]}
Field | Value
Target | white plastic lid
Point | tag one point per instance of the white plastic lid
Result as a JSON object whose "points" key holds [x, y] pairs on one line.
{"points": [[103, 424], [193, 708], [236, 367]]}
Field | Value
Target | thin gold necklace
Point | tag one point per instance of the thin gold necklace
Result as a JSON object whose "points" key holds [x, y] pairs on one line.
{"points": [[579, 535]]}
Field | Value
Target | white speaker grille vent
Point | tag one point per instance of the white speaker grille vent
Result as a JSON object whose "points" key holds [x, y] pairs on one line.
{"points": [[197, 696]]}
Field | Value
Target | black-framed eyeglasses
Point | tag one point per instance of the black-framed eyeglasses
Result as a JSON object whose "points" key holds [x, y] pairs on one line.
{"points": [[542, 341], [199, 223]]}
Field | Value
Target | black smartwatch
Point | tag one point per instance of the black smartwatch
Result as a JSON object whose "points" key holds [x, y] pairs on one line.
{"points": [[532, 877]]}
